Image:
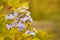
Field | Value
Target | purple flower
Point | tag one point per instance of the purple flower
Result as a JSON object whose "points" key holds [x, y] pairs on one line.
{"points": [[24, 19], [15, 13], [8, 26], [20, 26], [9, 16], [30, 32]]}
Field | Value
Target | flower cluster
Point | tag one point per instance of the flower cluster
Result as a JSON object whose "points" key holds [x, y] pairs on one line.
{"points": [[21, 16]]}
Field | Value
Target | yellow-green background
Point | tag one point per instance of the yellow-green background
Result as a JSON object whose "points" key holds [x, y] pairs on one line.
{"points": [[45, 13]]}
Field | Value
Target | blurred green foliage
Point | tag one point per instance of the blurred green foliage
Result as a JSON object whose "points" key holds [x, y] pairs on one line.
{"points": [[46, 10], [14, 34]]}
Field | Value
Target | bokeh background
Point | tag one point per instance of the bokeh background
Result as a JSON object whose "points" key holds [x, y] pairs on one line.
{"points": [[45, 13]]}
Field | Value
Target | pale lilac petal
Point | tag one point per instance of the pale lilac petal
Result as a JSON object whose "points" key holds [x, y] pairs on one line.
{"points": [[8, 26], [21, 25], [32, 33], [18, 8], [20, 29], [27, 32], [15, 13], [34, 29], [25, 7], [24, 19], [22, 10]]}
